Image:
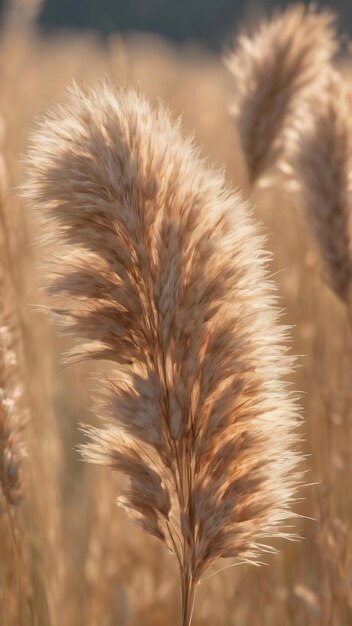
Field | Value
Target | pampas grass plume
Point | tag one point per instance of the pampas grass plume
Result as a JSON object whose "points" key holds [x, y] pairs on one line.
{"points": [[12, 418], [12, 450], [321, 166], [163, 273], [275, 69]]}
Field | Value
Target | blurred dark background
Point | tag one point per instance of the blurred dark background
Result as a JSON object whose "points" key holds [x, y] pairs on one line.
{"points": [[208, 21]]}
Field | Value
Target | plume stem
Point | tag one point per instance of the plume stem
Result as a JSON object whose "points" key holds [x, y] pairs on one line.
{"points": [[188, 587], [188, 578]]}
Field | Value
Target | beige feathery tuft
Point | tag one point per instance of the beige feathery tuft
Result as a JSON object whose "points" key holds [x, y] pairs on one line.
{"points": [[164, 274], [12, 420], [275, 69], [321, 166]]}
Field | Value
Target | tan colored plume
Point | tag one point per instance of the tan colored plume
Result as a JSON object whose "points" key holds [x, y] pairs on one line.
{"points": [[275, 69], [321, 166], [12, 449], [164, 274], [13, 415]]}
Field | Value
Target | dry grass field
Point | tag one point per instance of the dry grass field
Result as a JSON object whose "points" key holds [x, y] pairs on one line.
{"points": [[68, 555]]}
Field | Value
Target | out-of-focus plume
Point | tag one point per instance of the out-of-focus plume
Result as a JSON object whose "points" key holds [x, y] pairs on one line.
{"points": [[320, 165], [275, 69], [12, 447]]}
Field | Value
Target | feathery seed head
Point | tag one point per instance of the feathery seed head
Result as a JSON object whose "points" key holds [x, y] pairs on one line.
{"points": [[164, 274], [12, 419], [320, 161], [12, 449], [275, 69]]}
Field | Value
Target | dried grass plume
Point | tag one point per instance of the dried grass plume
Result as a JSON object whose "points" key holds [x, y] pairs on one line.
{"points": [[12, 417], [163, 273], [275, 68], [320, 164]]}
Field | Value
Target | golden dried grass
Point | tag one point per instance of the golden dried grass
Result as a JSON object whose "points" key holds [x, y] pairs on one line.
{"points": [[114, 575]]}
